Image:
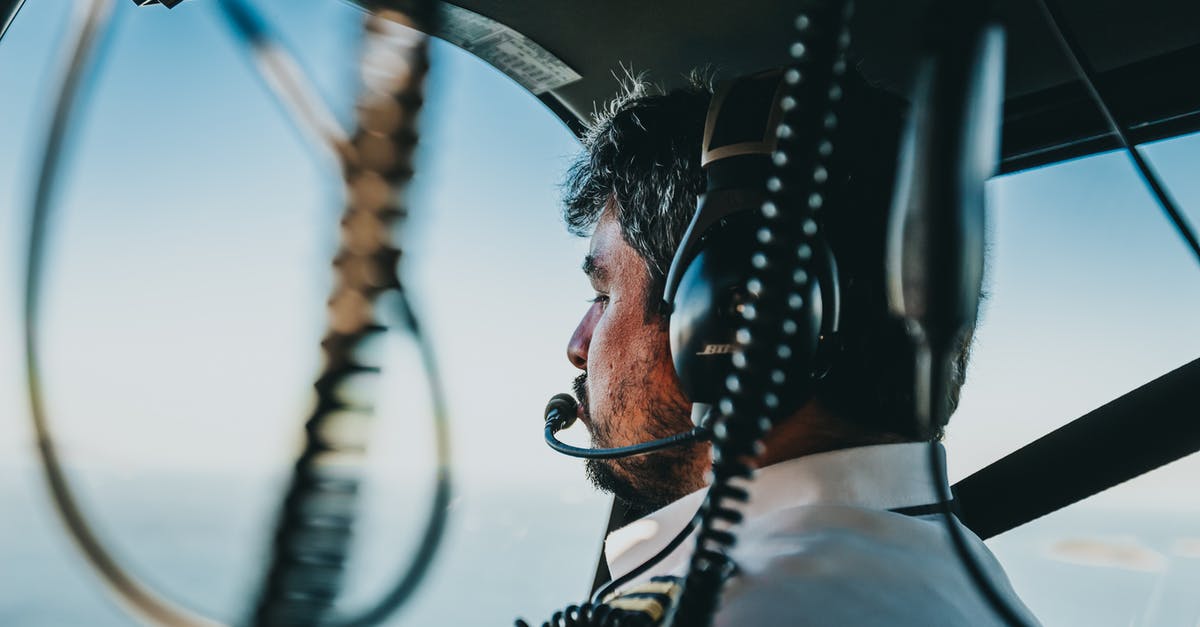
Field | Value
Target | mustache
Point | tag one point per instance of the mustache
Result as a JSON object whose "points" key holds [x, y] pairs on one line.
{"points": [[579, 386]]}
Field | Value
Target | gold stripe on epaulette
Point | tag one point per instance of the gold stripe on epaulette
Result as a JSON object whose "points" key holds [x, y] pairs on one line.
{"points": [[650, 607], [657, 587]]}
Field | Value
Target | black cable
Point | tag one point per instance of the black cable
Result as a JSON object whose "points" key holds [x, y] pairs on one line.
{"points": [[613, 585], [439, 509], [979, 578], [931, 380], [595, 612], [935, 248], [1087, 74]]}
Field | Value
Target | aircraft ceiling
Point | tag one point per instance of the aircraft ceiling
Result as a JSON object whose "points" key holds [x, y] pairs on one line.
{"points": [[1141, 51]]}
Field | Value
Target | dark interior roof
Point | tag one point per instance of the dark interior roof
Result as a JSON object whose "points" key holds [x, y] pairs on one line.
{"points": [[1144, 54]]}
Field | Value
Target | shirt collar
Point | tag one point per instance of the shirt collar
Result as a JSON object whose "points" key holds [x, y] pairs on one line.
{"points": [[884, 476]]}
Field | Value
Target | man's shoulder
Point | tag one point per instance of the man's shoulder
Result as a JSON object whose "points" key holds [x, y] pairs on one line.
{"points": [[849, 565], [816, 530], [840, 545]]}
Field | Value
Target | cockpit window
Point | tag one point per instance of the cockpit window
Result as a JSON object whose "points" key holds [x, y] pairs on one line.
{"points": [[1090, 294]]}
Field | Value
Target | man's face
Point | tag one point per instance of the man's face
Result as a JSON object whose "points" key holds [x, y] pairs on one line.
{"points": [[629, 392]]}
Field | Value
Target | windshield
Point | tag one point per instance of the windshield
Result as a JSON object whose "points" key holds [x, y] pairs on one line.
{"points": [[1090, 293], [185, 301]]}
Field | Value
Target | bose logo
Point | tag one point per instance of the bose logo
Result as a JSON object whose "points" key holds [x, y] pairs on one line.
{"points": [[716, 349]]}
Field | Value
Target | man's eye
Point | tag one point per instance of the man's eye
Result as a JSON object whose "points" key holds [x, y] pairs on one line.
{"points": [[599, 298]]}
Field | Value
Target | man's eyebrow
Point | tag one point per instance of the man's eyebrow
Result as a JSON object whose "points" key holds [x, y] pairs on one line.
{"points": [[593, 269]]}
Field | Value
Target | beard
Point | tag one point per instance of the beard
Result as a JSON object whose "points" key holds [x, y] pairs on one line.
{"points": [[643, 483]]}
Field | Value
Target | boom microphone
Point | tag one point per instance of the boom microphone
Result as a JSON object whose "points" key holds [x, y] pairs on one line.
{"points": [[562, 409], [561, 412]]}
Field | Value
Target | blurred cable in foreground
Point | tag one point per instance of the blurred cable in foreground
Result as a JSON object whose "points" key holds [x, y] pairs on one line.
{"points": [[316, 522]]}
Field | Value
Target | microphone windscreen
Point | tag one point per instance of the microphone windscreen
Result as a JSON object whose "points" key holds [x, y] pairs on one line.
{"points": [[562, 407]]}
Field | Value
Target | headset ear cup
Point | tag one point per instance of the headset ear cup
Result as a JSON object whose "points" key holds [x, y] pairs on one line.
{"points": [[707, 310]]}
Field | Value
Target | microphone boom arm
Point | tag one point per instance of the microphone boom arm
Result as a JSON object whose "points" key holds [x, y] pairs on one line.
{"points": [[560, 414], [696, 434]]}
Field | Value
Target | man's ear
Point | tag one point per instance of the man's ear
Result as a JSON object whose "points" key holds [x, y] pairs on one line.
{"points": [[654, 312]]}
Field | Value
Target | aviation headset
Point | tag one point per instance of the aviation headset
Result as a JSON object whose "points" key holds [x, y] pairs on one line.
{"points": [[724, 267]]}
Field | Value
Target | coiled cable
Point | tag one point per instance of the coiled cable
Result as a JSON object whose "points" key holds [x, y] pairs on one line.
{"points": [[766, 380]]}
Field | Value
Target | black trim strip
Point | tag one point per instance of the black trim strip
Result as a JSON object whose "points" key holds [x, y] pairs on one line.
{"points": [[8, 12], [1149, 427], [1152, 97], [577, 126]]}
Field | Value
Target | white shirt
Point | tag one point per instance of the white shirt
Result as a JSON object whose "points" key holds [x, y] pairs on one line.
{"points": [[818, 546]]}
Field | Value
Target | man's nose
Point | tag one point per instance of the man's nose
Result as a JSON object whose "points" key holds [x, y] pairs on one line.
{"points": [[577, 348]]}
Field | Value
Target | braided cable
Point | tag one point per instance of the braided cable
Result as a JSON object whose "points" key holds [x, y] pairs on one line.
{"points": [[315, 528]]}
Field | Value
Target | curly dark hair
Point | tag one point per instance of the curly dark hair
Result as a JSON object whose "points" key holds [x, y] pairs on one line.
{"points": [[642, 151]]}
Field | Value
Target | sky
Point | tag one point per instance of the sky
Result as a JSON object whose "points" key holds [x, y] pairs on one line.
{"points": [[191, 236]]}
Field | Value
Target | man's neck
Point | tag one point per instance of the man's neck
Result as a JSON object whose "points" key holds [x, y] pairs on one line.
{"points": [[811, 430]]}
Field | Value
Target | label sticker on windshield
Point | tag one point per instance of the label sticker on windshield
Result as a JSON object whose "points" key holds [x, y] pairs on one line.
{"points": [[509, 51]]}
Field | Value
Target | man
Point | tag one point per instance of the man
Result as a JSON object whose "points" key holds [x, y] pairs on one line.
{"points": [[838, 529]]}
